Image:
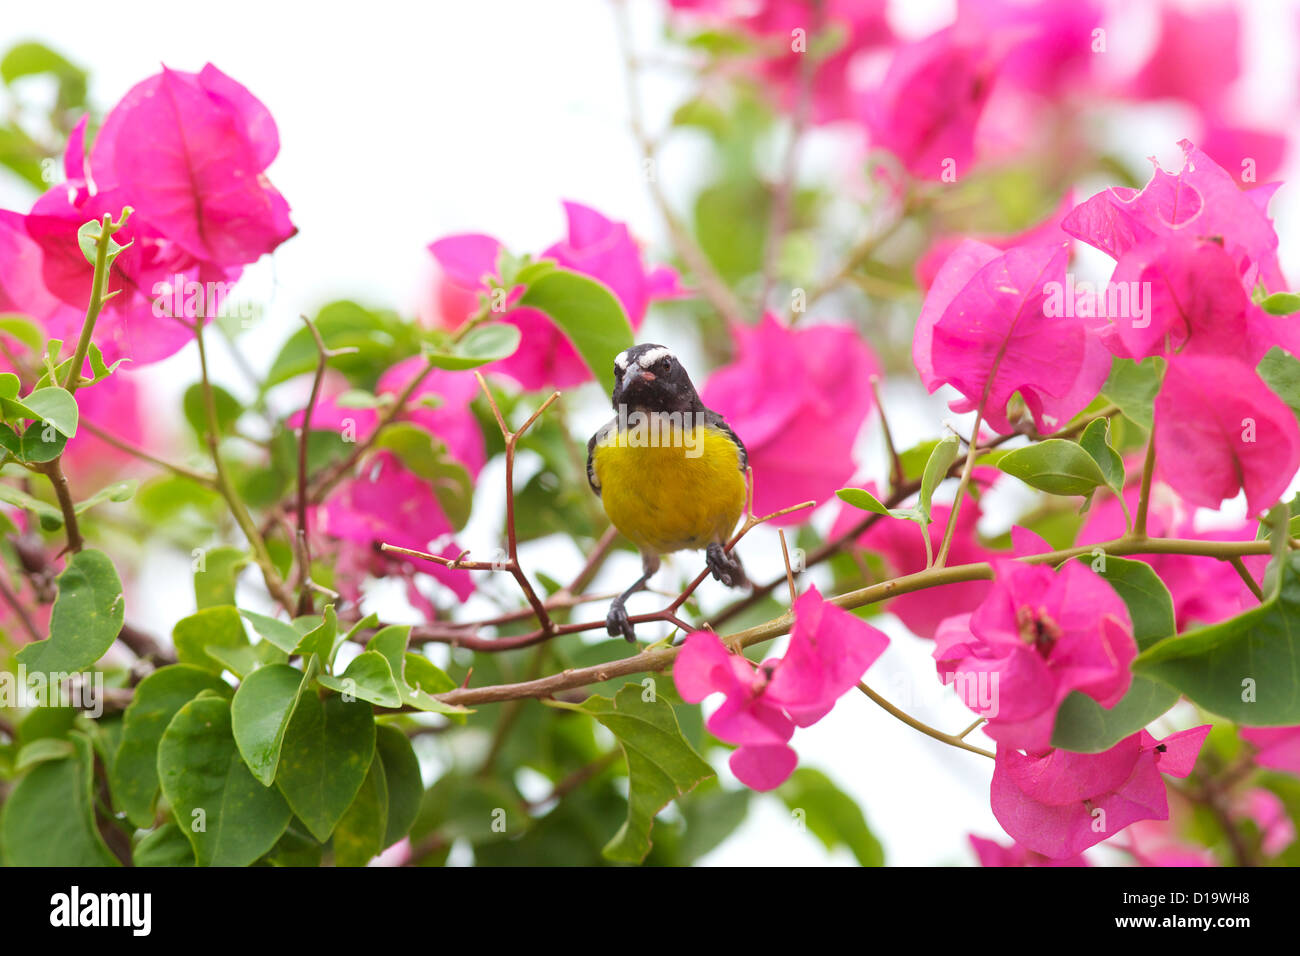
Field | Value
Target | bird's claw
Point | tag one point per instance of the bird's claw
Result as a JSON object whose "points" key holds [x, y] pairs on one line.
{"points": [[617, 623], [724, 567]]}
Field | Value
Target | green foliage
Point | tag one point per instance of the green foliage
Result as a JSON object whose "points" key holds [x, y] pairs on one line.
{"points": [[661, 765], [1242, 668], [87, 617], [156, 701], [831, 815], [326, 755], [588, 313], [49, 818], [1083, 725], [229, 818], [1056, 466]]}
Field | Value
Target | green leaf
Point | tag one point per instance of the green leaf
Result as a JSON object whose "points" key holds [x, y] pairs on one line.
{"points": [[213, 626], [1133, 387], [117, 491], [1281, 303], [368, 677], [23, 329], [833, 817], [1083, 725], [380, 338], [227, 815], [1281, 373], [296, 848], [39, 751], [483, 344], [1095, 440], [359, 836], [428, 458], [51, 518], [88, 238], [228, 409], [588, 313], [86, 619], [282, 635], [54, 406], [865, 501], [260, 714], [49, 817], [156, 701], [402, 777], [326, 755], [214, 582], [1056, 466], [1243, 668], [661, 765], [165, 846], [936, 470]]}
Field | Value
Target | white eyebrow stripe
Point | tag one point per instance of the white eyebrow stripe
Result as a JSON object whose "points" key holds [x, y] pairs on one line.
{"points": [[649, 358], [621, 360]]}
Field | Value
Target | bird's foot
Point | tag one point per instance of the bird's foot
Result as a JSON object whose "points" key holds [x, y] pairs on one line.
{"points": [[617, 623], [725, 567]]}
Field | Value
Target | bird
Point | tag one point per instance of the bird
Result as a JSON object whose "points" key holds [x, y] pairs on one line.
{"points": [[670, 472]]}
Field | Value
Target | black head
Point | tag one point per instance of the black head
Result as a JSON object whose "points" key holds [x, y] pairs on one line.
{"points": [[649, 378]]}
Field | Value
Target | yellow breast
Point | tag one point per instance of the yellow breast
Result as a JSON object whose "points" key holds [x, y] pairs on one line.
{"points": [[669, 489]]}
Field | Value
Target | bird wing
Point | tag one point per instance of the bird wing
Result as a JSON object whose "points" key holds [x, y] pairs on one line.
{"points": [[714, 420], [591, 450]]}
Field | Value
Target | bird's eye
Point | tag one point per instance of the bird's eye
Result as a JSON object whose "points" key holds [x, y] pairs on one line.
{"points": [[663, 365]]}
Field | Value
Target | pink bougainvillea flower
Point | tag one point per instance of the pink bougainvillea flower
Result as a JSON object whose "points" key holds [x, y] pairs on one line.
{"points": [[1278, 747], [787, 30], [595, 246], [1194, 303], [926, 109], [903, 549], [1037, 636], [1201, 201], [1050, 49], [1266, 809], [829, 651], [1201, 593], [440, 404], [1061, 803], [1251, 155], [389, 504], [1158, 843], [1221, 430], [188, 151], [985, 329], [797, 398], [1197, 58], [992, 853]]}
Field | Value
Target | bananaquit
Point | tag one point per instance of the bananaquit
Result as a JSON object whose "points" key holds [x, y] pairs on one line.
{"points": [[670, 473]]}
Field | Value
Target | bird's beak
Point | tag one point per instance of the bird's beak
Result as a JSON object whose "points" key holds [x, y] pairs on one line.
{"points": [[636, 374]]}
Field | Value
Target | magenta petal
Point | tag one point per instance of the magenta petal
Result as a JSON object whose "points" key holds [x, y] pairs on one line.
{"points": [[467, 258], [1181, 750], [830, 649], [763, 767], [1279, 747], [1220, 429], [191, 160], [703, 667], [1000, 335]]}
